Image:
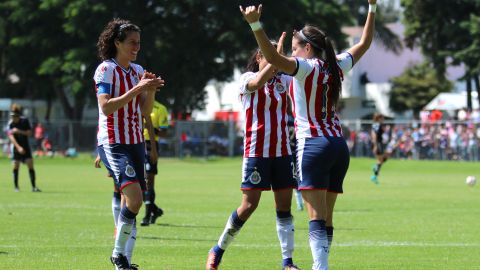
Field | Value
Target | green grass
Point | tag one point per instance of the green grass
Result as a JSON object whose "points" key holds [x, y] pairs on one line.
{"points": [[421, 216]]}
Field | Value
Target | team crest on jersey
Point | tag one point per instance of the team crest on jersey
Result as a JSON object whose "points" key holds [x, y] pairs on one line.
{"points": [[255, 177], [130, 171], [135, 79], [280, 88]]}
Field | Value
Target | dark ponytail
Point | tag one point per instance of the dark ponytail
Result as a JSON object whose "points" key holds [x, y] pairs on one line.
{"points": [[322, 46], [333, 68], [252, 65]]}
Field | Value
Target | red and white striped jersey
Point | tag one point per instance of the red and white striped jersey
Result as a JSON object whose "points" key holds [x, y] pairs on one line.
{"points": [[266, 131], [313, 107], [123, 126]]}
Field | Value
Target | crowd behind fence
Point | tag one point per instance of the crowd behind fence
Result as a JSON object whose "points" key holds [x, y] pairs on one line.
{"points": [[447, 140]]}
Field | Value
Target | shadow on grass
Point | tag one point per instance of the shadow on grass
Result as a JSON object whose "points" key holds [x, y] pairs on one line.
{"points": [[176, 239], [3, 253], [185, 226]]}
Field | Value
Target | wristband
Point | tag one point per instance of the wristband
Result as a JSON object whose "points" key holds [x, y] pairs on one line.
{"points": [[372, 8], [255, 26]]}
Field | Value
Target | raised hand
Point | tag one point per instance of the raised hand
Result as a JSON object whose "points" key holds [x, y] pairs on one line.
{"points": [[280, 43], [251, 13]]}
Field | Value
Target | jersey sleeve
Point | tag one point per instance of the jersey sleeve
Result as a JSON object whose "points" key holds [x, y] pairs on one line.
{"points": [[244, 79], [304, 67], [345, 61], [103, 78]]}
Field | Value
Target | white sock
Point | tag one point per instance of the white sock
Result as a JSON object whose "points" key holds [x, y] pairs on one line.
{"points": [[116, 209], [299, 199], [233, 226], [318, 244], [131, 244], [285, 232], [124, 229]]}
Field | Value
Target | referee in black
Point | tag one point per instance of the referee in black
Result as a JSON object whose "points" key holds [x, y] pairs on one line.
{"points": [[19, 130]]}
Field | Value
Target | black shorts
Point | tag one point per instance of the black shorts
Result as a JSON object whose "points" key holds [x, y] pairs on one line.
{"points": [[21, 157], [380, 149], [150, 168]]}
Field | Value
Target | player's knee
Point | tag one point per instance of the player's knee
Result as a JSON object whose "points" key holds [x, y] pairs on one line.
{"points": [[134, 204]]}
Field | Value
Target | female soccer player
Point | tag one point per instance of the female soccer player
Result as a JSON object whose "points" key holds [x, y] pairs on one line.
{"points": [[125, 92], [19, 130], [323, 156], [267, 162], [378, 147]]}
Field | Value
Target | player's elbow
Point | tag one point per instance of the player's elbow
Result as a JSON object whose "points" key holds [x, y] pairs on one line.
{"points": [[106, 110]]}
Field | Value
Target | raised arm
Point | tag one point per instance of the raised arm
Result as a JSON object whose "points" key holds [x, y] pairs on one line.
{"points": [[266, 73], [359, 49], [252, 16]]}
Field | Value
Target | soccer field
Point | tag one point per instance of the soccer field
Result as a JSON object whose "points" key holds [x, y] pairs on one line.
{"points": [[421, 216]]}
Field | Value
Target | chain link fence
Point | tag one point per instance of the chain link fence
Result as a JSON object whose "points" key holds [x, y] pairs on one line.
{"points": [[448, 140]]}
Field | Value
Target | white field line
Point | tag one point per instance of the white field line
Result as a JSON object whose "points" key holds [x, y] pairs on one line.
{"points": [[181, 243]]}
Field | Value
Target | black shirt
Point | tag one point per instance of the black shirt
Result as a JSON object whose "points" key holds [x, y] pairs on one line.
{"points": [[378, 129], [24, 125]]}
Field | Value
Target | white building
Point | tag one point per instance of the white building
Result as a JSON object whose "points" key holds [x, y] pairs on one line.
{"points": [[358, 100]]}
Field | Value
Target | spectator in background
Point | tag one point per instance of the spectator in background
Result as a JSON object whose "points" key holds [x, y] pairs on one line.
{"points": [[19, 130], [39, 134], [47, 147]]}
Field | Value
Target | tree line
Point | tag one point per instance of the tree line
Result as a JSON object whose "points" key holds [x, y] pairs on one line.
{"points": [[47, 48]]}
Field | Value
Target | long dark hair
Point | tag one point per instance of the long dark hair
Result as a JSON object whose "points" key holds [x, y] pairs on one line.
{"points": [[252, 61], [322, 45], [116, 29]]}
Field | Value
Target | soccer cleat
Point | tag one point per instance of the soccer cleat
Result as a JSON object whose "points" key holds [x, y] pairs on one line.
{"points": [[17, 189], [156, 214], [374, 179], [290, 267], [213, 260], [36, 189], [133, 266], [121, 262], [145, 222]]}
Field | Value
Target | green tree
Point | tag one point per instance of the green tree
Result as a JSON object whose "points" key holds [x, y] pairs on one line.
{"points": [[387, 13], [50, 44], [415, 88], [470, 55]]}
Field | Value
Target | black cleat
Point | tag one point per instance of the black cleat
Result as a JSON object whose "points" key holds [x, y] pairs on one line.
{"points": [[121, 262], [156, 214], [145, 222], [36, 189]]}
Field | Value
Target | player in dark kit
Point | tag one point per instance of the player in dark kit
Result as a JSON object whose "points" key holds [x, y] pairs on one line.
{"points": [[378, 147], [19, 130]]}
